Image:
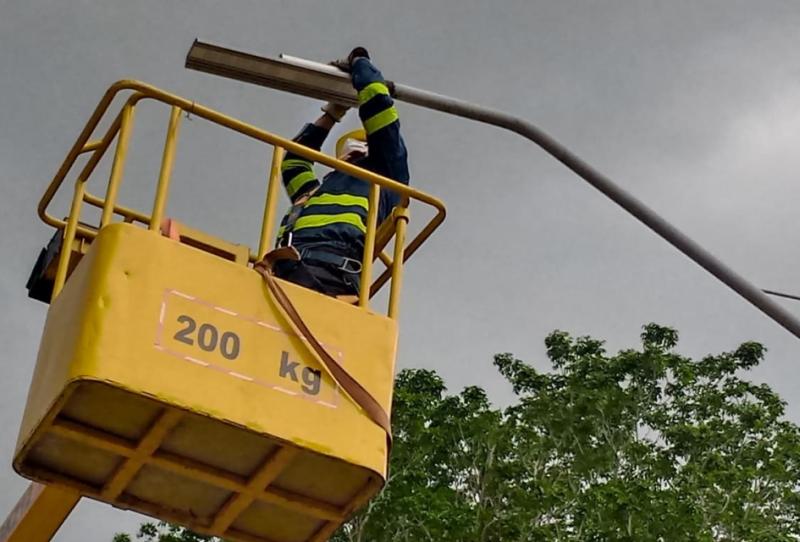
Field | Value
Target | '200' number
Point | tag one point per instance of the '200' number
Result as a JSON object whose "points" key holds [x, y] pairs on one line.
{"points": [[208, 337]]}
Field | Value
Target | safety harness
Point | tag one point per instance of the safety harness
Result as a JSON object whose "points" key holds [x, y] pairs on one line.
{"points": [[345, 380], [363, 398], [285, 240], [312, 255], [285, 251]]}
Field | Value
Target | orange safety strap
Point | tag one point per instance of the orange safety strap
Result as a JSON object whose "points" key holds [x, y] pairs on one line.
{"points": [[170, 228], [350, 385]]}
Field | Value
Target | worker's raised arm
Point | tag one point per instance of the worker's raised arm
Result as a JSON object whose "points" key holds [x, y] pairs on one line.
{"points": [[387, 151], [298, 172]]}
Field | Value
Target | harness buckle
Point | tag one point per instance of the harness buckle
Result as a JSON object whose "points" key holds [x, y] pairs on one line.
{"points": [[347, 263], [285, 240]]}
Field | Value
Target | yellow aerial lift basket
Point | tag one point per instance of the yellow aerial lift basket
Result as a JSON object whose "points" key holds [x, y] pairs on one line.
{"points": [[169, 381]]}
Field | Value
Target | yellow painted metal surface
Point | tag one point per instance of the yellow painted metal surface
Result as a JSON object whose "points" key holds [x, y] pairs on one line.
{"points": [[38, 514], [118, 164], [273, 188], [165, 174], [213, 245], [168, 382], [121, 127]]}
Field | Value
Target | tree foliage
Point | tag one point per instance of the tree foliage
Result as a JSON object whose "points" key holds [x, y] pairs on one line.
{"points": [[164, 532], [641, 445]]}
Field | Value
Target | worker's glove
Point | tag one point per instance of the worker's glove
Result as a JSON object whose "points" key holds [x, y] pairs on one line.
{"points": [[345, 64], [358, 52], [335, 111]]}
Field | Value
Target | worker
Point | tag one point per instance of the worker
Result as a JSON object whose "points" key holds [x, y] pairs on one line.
{"points": [[325, 228]]}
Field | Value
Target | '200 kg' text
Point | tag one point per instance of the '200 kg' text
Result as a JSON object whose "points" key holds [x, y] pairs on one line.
{"points": [[208, 338]]}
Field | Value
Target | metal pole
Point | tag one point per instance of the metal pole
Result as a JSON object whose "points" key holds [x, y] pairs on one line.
{"points": [[781, 294], [605, 185], [69, 238], [400, 224], [369, 245], [271, 202], [317, 80], [165, 174], [39, 513], [118, 165]]}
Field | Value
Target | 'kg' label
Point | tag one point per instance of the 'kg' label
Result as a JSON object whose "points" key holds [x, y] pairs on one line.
{"points": [[242, 347], [309, 379]]}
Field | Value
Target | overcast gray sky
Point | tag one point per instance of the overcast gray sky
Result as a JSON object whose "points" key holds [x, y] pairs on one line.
{"points": [[692, 106]]}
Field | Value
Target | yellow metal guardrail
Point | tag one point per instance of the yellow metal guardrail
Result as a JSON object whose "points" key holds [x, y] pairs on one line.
{"points": [[121, 128]]}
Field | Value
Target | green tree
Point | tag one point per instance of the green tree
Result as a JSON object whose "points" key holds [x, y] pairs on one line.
{"points": [[641, 445], [164, 532]]}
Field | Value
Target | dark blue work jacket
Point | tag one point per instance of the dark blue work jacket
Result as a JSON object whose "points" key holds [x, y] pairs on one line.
{"points": [[335, 216]]}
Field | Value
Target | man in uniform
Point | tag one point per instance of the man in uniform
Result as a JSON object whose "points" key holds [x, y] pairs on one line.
{"points": [[327, 222]]}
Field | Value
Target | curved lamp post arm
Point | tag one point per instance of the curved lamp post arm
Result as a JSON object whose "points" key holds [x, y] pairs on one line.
{"points": [[322, 81], [618, 195]]}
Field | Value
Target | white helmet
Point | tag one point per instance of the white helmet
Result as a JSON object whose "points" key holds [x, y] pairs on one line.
{"points": [[352, 142]]}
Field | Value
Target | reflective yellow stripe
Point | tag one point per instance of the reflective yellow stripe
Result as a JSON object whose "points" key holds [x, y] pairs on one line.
{"points": [[298, 181], [338, 199], [289, 164], [372, 90], [315, 221], [382, 119]]}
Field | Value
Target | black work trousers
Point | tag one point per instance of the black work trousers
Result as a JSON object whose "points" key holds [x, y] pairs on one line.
{"points": [[322, 278]]}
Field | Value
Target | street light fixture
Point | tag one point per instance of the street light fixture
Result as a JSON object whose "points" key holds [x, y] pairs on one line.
{"points": [[326, 82]]}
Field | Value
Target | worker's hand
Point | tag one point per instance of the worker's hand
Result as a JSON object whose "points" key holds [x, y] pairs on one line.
{"points": [[345, 64], [334, 110], [341, 63], [358, 52]]}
